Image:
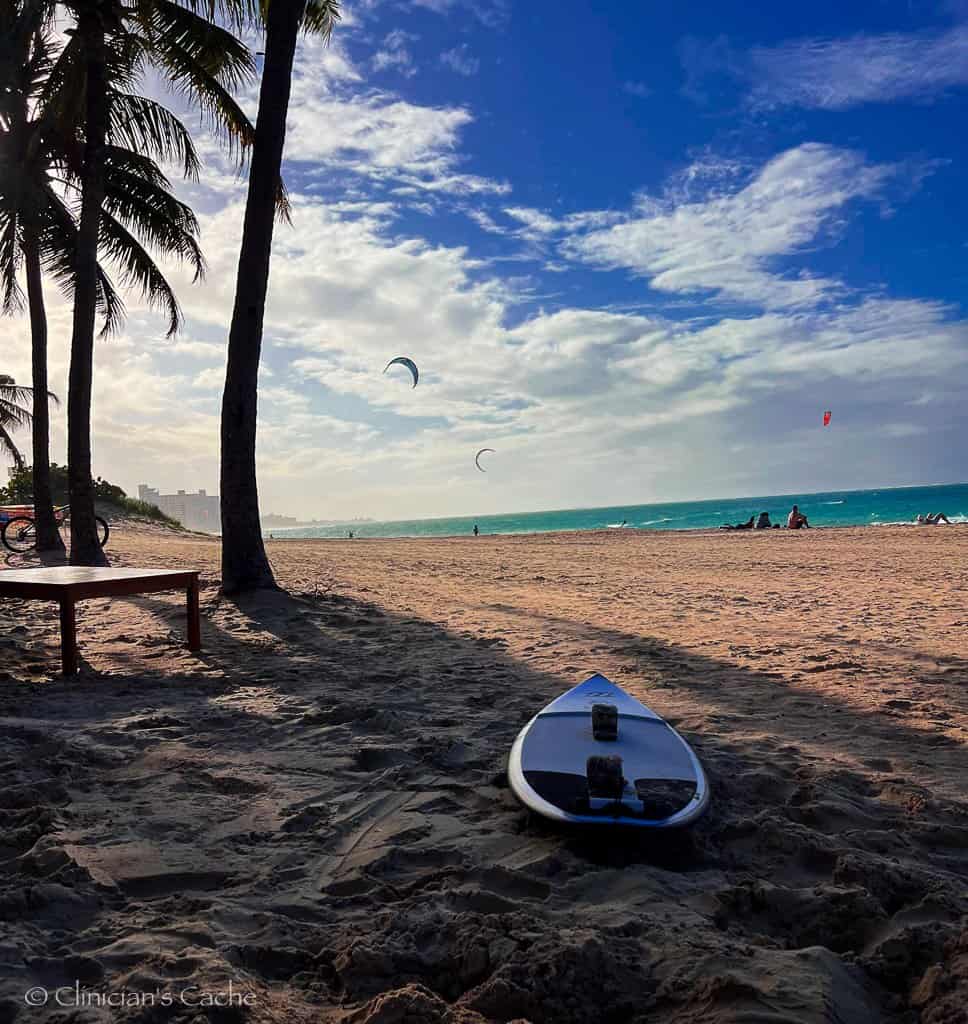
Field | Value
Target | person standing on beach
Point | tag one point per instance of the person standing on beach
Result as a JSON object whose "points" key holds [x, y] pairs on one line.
{"points": [[476, 531]]}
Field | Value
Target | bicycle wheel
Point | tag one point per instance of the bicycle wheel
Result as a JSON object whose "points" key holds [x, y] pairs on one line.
{"points": [[99, 524], [19, 534]]}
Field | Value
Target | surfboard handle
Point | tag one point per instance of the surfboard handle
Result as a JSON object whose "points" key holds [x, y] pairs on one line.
{"points": [[605, 722]]}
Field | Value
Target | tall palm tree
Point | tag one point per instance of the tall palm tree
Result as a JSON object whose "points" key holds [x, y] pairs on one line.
{"points": [[111, 39], [244, 562], [22, 64], [14, 414], [40, 169]]}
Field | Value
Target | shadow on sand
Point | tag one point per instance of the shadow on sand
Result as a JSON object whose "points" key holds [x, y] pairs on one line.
{"points": [[316, 805]]}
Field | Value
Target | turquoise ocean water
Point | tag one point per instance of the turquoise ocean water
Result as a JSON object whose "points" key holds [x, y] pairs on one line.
{"points": [[833, 508]]}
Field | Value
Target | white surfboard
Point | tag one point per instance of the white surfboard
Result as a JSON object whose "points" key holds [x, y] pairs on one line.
{"points": [[657, 783]]}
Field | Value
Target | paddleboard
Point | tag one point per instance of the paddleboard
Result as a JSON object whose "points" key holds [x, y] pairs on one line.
{"points": [[597, 756]]}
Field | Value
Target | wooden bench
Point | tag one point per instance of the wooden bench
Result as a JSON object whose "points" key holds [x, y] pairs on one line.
{"points": [[68, 584]]}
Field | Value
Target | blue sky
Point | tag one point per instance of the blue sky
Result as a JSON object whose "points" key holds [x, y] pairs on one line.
{"points": [[636, 248]]}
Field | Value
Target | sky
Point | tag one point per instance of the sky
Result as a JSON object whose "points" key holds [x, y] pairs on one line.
{"points": [[635, 248]]}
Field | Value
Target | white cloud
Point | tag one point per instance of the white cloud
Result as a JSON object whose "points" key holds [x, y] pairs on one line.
{"points": [[459, 59], [486, 222], [375, 134], [730, 243], [490, 13], [394, 54], [834, 74], [639, 89], [535, 221]]}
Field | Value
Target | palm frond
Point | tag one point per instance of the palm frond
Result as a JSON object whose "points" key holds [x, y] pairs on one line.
{"points": [[110, 305], [159, 219], [11, 297], [15, 404], [136, 164], [215, 50], [144, 126], [57, 243], [236, 14], [216, 103], [321, 16], [61, 98], [7, 445], [139, 270]]}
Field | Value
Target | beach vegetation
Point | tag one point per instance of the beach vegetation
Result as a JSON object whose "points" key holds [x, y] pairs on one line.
{"points": [[19, 491]]}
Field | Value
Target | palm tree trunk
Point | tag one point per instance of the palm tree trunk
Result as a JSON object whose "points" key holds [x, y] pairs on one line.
{"points": [[244, 562], [48, 536], [85, 549]]}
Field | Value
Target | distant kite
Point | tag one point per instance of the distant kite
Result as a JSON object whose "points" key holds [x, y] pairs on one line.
{"points": [[408, 363], [826, 418], [477, 457]]}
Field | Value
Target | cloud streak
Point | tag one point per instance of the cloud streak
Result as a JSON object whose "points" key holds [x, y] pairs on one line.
{"points": [[459, 59], [729, 244], [835, 73]]}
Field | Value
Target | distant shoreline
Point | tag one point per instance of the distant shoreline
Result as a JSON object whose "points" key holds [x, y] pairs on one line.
{"points": [[823, 509], [706, 531]]}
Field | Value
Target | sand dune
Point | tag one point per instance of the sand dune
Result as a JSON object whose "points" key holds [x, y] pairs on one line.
{"points": [[314, 809]]}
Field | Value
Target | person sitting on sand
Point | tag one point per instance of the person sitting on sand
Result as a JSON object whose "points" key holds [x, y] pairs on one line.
{"points": [[796, 519], [934, 519], [763, 521], [748, 525]]}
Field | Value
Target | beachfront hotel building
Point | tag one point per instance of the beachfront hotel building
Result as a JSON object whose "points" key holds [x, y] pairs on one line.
{"points": [[196, 511]]}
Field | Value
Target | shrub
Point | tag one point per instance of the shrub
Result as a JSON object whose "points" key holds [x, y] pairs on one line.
{"points": [[20, 491]]}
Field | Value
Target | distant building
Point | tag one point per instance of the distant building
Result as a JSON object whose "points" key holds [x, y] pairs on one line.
{"points": [[277, 522], [196, 511]]}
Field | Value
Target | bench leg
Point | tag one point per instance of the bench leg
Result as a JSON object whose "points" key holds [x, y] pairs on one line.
{"points": [[194, 618], [68, 624]]}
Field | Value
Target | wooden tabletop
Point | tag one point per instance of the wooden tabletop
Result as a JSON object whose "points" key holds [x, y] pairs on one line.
{"points": [[74, 582], [74, 574], [68, 584]]}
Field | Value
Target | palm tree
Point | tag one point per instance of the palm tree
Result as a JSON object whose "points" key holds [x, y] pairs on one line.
{"points": [[14, 414], [22, 63], [39, 174], [244, 562], [112, 40]]}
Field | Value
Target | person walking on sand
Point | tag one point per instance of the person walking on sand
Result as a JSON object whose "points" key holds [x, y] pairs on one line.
{"points": [[796, 519]]}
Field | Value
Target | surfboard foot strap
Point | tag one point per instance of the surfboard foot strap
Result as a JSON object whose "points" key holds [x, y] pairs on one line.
{"points": [[605, 721], [604, 775]]}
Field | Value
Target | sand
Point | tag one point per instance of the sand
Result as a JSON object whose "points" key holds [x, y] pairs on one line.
{"points": [[314, 809]]}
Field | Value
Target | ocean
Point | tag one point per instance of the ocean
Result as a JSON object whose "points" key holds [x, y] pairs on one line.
{"points": [[882, 507]]}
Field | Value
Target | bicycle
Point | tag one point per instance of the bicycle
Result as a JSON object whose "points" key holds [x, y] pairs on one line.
{"points": [[19, 533]]}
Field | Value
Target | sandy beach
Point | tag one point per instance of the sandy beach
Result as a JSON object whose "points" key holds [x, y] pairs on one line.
{"points": [[314, 809]]}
